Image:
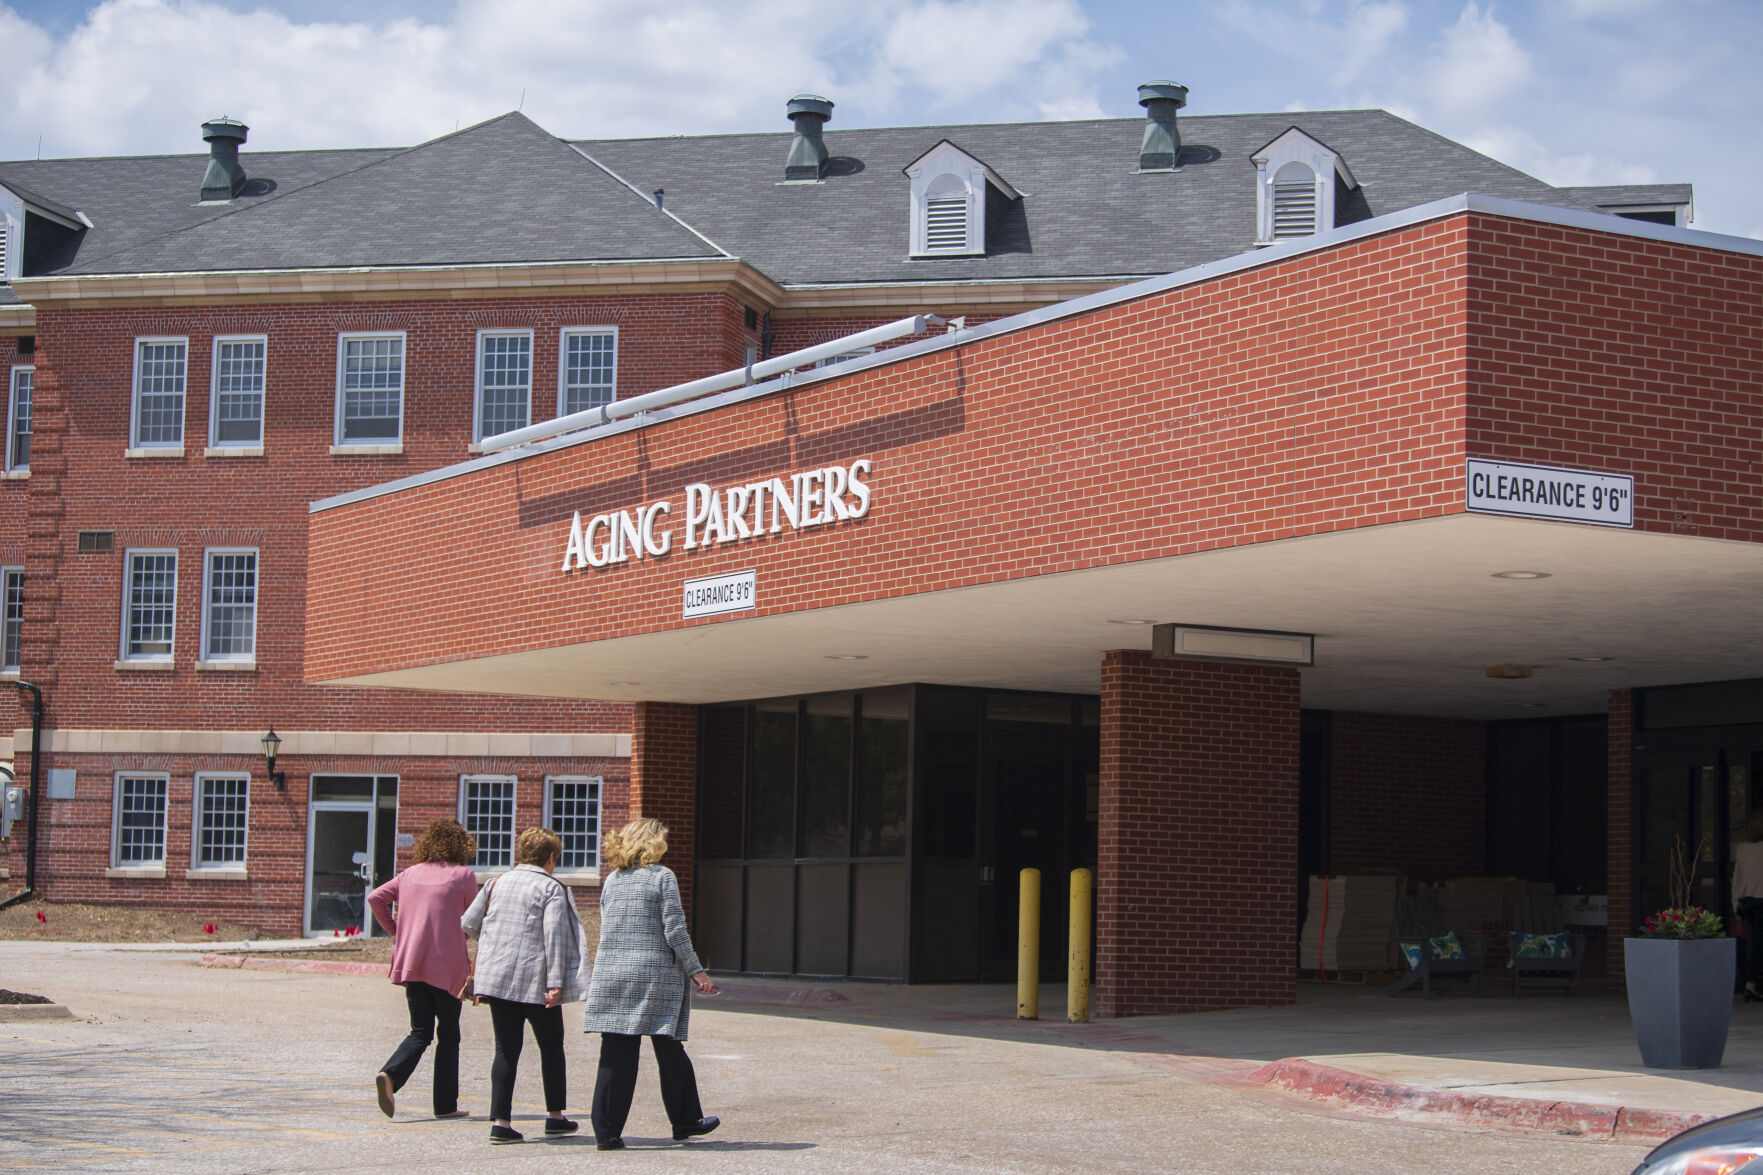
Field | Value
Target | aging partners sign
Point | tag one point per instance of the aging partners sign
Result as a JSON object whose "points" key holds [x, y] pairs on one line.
{"points": [[712, 516]]}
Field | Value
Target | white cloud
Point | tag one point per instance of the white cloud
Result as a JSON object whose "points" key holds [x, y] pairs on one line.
{"points": [[139, 75], [1570, 169], [1476, 62], [1368, 31]]}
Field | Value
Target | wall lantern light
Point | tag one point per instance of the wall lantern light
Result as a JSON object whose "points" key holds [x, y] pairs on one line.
{"points": [[272, 742]]}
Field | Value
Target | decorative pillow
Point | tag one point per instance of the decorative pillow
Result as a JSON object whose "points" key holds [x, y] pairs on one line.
{"points": [[1446, 946], [1546, 946]]}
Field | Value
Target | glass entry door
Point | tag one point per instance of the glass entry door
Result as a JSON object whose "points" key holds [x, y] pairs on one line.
{"points": [[339, 871]]}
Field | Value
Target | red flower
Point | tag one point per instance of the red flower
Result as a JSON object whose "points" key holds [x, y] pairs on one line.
{"points": [[209, 928], [41, 918]]}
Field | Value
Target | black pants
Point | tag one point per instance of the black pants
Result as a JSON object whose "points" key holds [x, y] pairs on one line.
{"points": [[510, 1018], [616, 1082], [433, 1014], [1751, 910]]}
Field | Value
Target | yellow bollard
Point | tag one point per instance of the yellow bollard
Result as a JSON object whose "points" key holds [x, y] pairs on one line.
{"points": [[1077, 968], [1028, 947]]}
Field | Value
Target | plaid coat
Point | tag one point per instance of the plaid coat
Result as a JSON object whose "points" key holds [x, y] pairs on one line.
{"points": [[642, 974], [529, 937]]}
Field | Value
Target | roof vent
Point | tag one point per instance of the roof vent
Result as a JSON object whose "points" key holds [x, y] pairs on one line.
{"points": [[807, 160], [1161, 146], [224, 177]]}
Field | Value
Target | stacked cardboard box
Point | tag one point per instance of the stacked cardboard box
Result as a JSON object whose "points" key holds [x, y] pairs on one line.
{"points": [[1348, 924]]}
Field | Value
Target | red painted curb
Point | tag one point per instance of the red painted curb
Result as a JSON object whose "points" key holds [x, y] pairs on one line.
{"points": [[310, 966], [1378, 1096]]}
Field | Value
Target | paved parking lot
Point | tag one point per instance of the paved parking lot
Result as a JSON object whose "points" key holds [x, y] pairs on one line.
{"points": [[180, 1068]]}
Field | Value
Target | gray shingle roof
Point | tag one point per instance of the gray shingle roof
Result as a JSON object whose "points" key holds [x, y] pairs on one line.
{"points": [[1613, 196]]}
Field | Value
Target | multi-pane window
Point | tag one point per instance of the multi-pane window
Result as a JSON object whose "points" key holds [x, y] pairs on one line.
{"points": [[18, 419], [572, 811], [149, 604], [139, 830], [229, 606], [222, 805], [835, 360], [590, 370], [504, 382], [238, 392], [12, 609], [486, 808], [370, 389], [160, 367]]}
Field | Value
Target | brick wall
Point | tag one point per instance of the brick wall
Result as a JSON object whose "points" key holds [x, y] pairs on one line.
{"points": [[664, 779], [1620, 871], [1197, 885], [1407, 795]]}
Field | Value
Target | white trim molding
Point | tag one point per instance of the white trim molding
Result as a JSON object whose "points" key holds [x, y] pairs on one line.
{"points": [[418, 743]]}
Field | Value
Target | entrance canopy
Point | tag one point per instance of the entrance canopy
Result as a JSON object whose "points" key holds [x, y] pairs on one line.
{"points": [[1290, 441]]}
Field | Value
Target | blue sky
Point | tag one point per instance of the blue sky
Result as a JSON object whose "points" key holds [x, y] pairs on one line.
{"points": [[1573, 91]]}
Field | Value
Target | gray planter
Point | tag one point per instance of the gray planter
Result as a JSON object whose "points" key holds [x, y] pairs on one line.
{"points": [[1680, 999]]}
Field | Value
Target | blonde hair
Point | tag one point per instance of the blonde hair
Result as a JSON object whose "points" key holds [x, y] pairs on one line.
{"points": [[639, 843], [535, 846]]}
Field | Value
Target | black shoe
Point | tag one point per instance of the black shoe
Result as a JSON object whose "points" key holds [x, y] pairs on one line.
{"points": [[506, 1134], [703, 1125], [609, 1144], [382, 1085], [560, 1126]]}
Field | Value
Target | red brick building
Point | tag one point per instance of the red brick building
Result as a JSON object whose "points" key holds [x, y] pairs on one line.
{"points": [[1393, 530]]}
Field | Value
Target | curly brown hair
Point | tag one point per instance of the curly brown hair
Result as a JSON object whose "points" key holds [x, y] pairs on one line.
{"points": [[446, 840]]}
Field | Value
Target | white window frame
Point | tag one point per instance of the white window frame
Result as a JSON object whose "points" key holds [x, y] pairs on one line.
{"points": [[477, 398], [208, 554], [563, 337], [343, 339], [599, 785], [7, 575], [214, 441], [846, 357], [199, 818], [513, 782], [135, 441], [1294, 146], [11, 236], [164, 780], [128, 564], [13, 464]]}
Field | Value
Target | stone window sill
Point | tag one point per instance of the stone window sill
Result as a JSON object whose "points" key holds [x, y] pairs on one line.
{"points": [[8, 675], [164, 666], [226, 666], [16, 475], [214, 875], [234, 451], [584, 880], [168, 451], [367, 450], [136, 873]]}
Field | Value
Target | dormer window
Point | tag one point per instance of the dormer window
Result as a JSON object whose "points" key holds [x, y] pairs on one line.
{"points": [[951, 191], [1295, 187]]}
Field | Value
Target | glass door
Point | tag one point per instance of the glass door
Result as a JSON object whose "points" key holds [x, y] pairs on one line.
{"points": [[339, 867]]}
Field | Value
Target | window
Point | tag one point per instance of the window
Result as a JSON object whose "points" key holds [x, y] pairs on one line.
{"points": [[504, 382], [149, 605], [237, 400], [229, 606], [370, 389], [222, 806], [1294, 202], [572, 811], [138, 832], [18, 419], [160, 366], [945, 216], [486, 808], [1296, 177], [590, 370], [952, 193], [832, 360], [12, 611]]}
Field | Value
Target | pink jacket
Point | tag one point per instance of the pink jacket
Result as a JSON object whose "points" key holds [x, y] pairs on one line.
{"points": [[427, 944]]}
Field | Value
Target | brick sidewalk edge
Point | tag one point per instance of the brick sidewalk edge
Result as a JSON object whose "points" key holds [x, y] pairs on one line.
{"points": [[1305, 1078], [1378, 1096]]}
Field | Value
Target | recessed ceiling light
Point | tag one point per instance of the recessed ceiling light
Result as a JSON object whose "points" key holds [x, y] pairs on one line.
{"points": [[1521, 575], [847, 656], [1590, 659], [1132, 622]]}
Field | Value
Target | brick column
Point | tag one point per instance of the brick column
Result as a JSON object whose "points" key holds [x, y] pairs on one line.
{"points": [[1619, 849], [1197, 887], [664, 779]]}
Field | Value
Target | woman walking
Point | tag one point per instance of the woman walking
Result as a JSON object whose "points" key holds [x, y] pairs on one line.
{"points": [[642, 984], [529, 958], [429, 959], [1747, 899]]}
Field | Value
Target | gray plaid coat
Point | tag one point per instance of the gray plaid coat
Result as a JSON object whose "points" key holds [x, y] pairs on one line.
{"points": [[642, 974], [529, 937]]}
